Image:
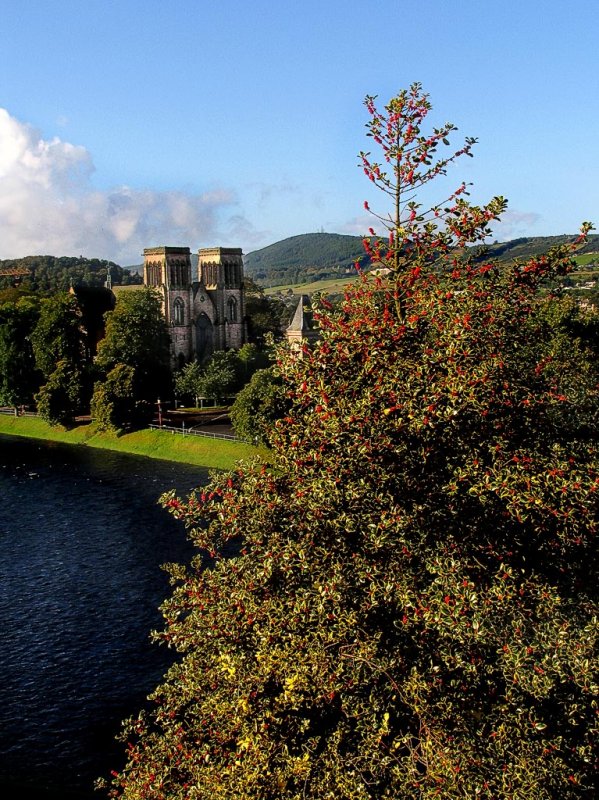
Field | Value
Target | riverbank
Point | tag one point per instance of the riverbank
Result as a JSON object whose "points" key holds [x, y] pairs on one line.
{"points": [[196, 450]]}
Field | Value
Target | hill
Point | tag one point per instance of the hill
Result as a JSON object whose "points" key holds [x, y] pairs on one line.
{"points": [[314, 257], [528, 246], [305, 258], [58, 273]]}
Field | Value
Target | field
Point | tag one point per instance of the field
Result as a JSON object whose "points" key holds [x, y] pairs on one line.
{"points": [[587, 258], [330, 286], [337, 285]]}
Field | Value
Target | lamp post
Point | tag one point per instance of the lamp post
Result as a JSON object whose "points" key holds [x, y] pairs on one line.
{"points": [[159, 414]]}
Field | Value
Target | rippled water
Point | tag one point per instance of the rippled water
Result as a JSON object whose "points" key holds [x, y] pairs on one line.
{"points": [[81, 543]]}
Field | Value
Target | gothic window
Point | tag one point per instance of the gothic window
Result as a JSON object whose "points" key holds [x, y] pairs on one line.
{"points": [[232, 304], [179, 311]]}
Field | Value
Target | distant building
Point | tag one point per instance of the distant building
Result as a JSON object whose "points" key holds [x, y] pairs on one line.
{"points": [[206, 314], [302, 328]]}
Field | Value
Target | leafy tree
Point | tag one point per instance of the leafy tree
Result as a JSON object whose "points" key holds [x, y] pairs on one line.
{"points": [[137, 336], [404, 605], [58, 347], [60, 398], [222, 375], [57, 335], [187, 382], [19, 378], [250, 359], [259, 405], [113, 401], [219, 377]]}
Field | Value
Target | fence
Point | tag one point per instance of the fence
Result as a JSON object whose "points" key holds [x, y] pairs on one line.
{"points": [[192, 432], [14, 412], [183, 431]]}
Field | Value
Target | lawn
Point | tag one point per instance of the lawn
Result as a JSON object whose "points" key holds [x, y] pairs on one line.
{"points": [[197, 450]]}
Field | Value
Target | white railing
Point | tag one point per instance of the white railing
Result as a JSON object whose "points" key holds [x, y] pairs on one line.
{"points": [[14, 412], [194, 432]]}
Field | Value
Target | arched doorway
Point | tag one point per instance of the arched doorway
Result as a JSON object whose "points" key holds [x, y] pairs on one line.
{"points": [[204, 336]]}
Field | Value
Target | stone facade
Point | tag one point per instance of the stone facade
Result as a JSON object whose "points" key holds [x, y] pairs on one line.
{"points": [[206, 314]]}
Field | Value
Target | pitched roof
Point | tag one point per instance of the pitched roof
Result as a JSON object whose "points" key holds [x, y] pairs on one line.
{"points": [[302, 319]]}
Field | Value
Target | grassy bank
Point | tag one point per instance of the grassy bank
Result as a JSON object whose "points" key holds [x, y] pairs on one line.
{"points": [[197, 450]]}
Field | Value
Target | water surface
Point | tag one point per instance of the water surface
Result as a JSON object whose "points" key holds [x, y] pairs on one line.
{"points": [[81, 544]]}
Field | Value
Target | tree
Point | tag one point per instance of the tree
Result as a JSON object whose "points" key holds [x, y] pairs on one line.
{"points": [[113, 401], [57, 335], [218, 380], [60, 398], [249, 360], [222, 375], [58, 347], [187, 382], [265, 315], [215, 380], [19, 378], [258, 406], [404, 604], [137, 337]]}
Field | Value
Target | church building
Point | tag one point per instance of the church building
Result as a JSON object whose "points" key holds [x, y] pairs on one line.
{"points": [[204, 314]]}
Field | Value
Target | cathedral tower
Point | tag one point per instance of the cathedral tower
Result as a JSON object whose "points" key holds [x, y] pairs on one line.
{"points": [[220, 270], [168, 269], [203, 315]]}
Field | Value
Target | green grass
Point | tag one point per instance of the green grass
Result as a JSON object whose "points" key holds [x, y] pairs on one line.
{"points": [[587, 258], [197, 450]]}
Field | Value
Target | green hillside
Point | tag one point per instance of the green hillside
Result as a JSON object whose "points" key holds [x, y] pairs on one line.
{"points": [[314, 257], [534, 245], [306, 258]]}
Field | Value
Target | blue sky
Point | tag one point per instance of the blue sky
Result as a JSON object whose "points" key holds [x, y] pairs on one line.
{"points": [[201, 122]]}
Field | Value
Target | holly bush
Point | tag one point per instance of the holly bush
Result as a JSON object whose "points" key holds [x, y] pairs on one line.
{"points": [[403, 604]]}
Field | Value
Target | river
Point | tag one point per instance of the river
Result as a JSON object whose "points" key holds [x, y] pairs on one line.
{"points": [[81, 544]]}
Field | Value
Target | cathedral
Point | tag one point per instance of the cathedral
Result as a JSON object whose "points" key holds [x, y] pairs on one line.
{"points": [[203, 315]]}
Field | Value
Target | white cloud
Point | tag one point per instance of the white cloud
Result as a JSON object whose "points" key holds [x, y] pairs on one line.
{"points": [[360, 226], [514, 224], [49, 206]]}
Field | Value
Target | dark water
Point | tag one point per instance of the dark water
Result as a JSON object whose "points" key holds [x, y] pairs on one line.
{"points": [[81, 543]]}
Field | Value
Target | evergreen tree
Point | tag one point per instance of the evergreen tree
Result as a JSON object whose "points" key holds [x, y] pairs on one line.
{"points": [[404, 604]]}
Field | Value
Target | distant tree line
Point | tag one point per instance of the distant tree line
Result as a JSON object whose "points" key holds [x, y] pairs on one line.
{"points": [[57, 273]]}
